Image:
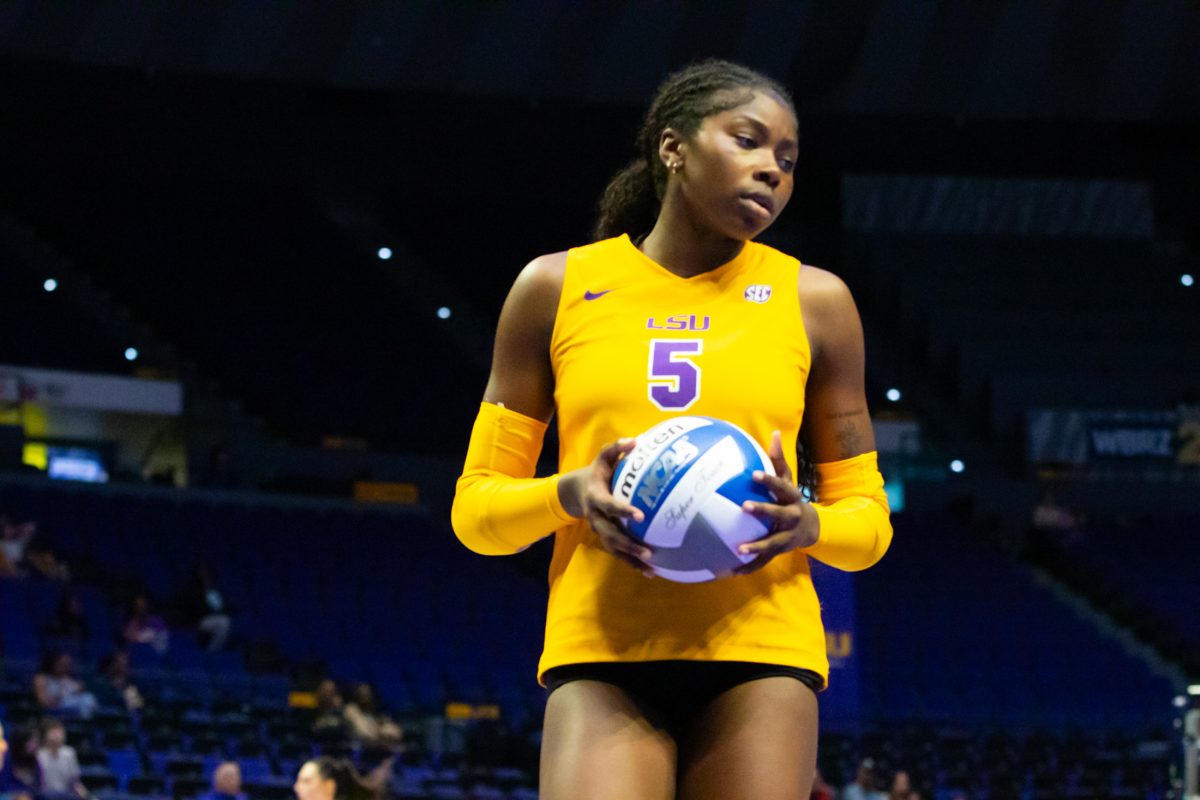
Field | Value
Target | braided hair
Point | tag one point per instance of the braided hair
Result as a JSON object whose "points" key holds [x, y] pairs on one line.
{"points": [[631, 201]]}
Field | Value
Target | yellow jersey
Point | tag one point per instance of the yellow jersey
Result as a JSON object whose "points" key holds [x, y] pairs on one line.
{"points": [[634, 344]]}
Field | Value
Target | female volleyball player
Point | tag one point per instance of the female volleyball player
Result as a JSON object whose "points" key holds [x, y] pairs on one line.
{"points": [[659, 689]]}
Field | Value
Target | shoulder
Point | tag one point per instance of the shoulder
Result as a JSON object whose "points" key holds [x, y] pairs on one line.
{"points": [[830, 315], [821, 291], [535, 292], [543, 274]]}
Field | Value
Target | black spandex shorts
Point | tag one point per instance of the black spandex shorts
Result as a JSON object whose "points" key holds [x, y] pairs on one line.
{"points": [[671, 693]]}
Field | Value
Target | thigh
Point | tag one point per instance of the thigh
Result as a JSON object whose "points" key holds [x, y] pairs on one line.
{"points": [[756, 740], [597, 743]]}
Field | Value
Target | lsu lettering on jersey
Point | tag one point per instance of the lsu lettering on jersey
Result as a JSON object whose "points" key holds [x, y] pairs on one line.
{"points": [[634, 344]]}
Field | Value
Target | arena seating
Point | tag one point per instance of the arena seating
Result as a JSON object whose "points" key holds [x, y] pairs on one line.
{"points": [[1142, 570], [380, 595], [973, 675], [954, 633]]}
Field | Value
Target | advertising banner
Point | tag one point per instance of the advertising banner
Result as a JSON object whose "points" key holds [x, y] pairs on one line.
{"points": [[1113, 438]]}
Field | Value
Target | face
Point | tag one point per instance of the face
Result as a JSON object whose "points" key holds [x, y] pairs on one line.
{"points": [[311, 786], [738, 168], [326, 692], [228, 779], [3, 747], [56, 737]]}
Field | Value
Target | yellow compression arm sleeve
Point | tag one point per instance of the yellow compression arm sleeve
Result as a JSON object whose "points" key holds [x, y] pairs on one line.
{"points": [[499, 507], [856, 527]]}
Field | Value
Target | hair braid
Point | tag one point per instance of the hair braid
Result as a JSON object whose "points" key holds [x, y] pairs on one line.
{"points": [[632, 199]]}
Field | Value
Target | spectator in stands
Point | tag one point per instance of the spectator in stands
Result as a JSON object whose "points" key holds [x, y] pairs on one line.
{"points": [[204, 606], [1061, 524], [22, 756], [821, 790], [69, 621], [226, 783], [367, 724], [327, 778], [57, 689], [863, 787], [114, 688], [11, 788], [331, 715], [902, 788], [42, 561], [14, 539], [58, 765], [144, 627]]}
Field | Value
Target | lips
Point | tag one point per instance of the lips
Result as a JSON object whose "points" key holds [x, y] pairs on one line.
{"points": [[761, 199]]}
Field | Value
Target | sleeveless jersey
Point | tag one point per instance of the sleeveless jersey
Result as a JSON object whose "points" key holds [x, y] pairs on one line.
{"points": [[634, 344]]}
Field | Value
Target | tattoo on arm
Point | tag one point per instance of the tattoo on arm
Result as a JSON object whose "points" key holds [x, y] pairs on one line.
{"points": [[848, 435], [849, 438]]}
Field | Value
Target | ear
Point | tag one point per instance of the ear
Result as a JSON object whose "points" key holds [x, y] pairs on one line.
{"points": [[672, 146]]}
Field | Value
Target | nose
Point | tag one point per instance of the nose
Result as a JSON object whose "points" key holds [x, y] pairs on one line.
{"points": [[769, 173]]}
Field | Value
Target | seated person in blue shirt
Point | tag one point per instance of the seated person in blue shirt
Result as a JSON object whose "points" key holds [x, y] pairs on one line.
{"points": [[226, 783]]}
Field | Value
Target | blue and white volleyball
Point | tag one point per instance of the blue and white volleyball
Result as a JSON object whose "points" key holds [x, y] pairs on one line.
{"points": [[690, 476]]}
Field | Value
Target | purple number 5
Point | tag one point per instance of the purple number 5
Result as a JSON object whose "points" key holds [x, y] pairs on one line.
{"points": [[674, 378]]}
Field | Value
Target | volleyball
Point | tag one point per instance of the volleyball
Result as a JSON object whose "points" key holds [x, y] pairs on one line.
{"points": [[689, 476]]}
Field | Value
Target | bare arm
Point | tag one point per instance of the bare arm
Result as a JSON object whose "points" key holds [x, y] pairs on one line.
{"points": [[835, 398], [521, 378], [522, 381], [850, 535]]}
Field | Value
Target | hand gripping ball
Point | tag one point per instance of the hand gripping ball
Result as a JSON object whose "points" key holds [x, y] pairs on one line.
{"points": [[689, 476]]}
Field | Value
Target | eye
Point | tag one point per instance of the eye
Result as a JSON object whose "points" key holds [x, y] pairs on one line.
{"points": [[745, 142], [787, 164]]}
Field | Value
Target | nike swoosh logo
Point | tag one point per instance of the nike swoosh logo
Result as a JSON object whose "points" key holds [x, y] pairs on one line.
{"points": [[590, 295]]}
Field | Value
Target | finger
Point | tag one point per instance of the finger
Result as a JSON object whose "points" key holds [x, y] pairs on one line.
{"points": [[629, 550], [775, 451], [615, 509], [776, 542], [758, 563], [640, 566], [611, 453], [783, 489], [776, 517], [616, 540]]}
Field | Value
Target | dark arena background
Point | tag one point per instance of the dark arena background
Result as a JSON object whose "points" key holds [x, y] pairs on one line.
{"points": [[251, 259]]}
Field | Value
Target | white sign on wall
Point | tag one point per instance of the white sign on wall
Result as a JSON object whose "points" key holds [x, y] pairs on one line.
{"points": [[61, 389]]}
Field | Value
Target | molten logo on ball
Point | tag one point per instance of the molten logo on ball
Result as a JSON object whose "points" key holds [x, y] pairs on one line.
{"points": [[690, 476]]}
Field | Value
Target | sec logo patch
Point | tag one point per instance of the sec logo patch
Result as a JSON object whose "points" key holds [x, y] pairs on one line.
{"points": [[758, 293]]}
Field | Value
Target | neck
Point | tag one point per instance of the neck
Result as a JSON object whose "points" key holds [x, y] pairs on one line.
{"points": [[685, 248]]}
